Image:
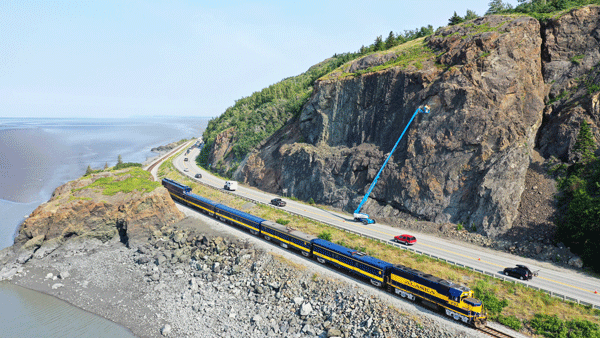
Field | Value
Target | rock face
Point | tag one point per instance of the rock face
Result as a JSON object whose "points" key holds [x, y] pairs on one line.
{"points": [[500, 89], [464, 162], [79, 208], [571, 56]]}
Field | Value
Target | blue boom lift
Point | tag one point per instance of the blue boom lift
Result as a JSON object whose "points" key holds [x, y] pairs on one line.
{"points": [[364, 217]]}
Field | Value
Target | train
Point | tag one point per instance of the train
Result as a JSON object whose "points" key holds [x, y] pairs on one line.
{"points": [[456, 301]]}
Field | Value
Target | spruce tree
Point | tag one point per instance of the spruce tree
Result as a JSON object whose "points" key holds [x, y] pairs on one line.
{"points": [[390, 41], [471, 15], [497, 7], [88, 170], [378, 44], [455, 19], [585, 146]]}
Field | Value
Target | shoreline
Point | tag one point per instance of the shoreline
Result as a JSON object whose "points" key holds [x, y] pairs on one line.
{"points": [[188, 294]]}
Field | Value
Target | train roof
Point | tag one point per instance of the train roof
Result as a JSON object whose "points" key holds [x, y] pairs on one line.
{"points": [[178, 185], [288, 230], [360, 256], [203, 199], [455, 289], [239, 213]]}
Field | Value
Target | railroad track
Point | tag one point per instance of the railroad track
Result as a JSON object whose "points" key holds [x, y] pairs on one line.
{"points": [[149, 169], [493, 332]]}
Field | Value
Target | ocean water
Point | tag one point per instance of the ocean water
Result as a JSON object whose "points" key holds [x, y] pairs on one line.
{"points": [[37, 156]]}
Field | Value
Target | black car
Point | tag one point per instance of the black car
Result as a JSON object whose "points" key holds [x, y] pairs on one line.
{"points": [[521, 271], [278, 202], [198, 176]]}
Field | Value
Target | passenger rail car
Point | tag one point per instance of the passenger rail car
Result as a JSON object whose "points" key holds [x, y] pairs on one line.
{"points": [[202, 204], [239, 218], [287, 237], [352, 261], [456, 300]]}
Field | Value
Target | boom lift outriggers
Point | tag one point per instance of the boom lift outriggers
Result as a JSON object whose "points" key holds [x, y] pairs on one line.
{"points": [[364, 218]]}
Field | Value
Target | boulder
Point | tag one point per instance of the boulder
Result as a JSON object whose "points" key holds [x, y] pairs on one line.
{"points": [[306, 309], [34, 243], [576, 262], [334, 333], [166, 330]]}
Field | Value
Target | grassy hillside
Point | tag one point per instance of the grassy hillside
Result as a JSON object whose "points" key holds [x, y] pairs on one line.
{"points": [[256, 117]]}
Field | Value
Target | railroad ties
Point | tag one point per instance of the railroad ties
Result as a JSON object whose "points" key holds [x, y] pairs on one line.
{"points": [[493, 332]]}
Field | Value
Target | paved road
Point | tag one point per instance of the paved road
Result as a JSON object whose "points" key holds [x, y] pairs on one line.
{"points": [[558, 280]]}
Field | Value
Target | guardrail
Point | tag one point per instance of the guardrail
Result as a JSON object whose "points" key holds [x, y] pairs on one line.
{"points": [[489, 273]]}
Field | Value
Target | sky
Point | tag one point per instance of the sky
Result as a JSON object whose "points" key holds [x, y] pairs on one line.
{"points": [[181, 58]]}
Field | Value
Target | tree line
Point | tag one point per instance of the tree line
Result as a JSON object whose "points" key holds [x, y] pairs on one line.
{"points": [[536, 8]]}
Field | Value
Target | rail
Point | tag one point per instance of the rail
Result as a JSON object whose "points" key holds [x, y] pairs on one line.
{"points": [[403, 247], [493, 332]]}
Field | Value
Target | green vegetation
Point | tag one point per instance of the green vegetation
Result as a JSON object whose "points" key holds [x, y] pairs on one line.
{"points": [[510, 321], [486, 292], [283, 221], [579, 201], [74, 198], [591, 79], [311, 201], [559, 97], [456, 19], [122, 165], [326, 235], [255, 118], [577, 59], [539, 9], [410, 53], [554, 327], [133, 179]]}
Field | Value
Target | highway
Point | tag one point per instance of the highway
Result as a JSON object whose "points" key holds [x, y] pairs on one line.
{"points": [[560, 281]]}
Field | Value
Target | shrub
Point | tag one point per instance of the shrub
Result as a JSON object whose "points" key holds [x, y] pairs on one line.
{"points": [[487, 294], [127, 165], [326, 235], [579, 201], [283, 221], [459, 227], [311, 201], [510, 321], [577, 59], [552, 326]]}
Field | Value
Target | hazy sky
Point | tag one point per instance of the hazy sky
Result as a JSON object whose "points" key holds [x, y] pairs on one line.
{"points": [[185, 58]]}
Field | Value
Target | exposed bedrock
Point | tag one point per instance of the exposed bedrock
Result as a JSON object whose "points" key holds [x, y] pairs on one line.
{"points": [[467, 160]]}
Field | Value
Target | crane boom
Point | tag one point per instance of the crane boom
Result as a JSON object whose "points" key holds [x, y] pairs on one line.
{"points": [[364, 217]]}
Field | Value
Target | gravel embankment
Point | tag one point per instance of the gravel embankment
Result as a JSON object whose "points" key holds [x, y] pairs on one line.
{"points": [[191, 280]]}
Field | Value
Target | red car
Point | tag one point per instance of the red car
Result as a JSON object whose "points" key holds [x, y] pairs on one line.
{"points": [[405, 239]]}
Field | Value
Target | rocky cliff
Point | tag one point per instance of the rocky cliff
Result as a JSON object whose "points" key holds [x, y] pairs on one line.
{"points": [[101, 205], [500, 88]]}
